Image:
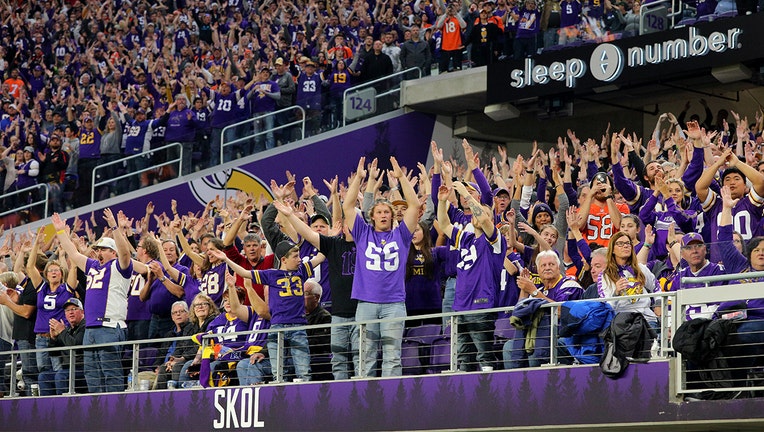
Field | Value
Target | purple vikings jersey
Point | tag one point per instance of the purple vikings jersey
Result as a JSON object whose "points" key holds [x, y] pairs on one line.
{"points": [[160, 298], [380, 261], [285, 292], [213, 282], [137, 310], [478, 270], [50, 305], [746, 217], [320, 273], [225, 324], [107, 291]]}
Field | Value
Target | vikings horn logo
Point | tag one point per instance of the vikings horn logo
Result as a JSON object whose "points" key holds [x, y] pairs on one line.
{"points": [[226, 183]]}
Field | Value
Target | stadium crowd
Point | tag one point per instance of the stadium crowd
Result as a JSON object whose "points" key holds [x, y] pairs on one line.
{"points": [[88, 83], [585, 219]]}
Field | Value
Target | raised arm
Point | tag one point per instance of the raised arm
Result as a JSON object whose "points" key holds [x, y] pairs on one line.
{"points": [[239, 270], [348, 207], [242, 312], [32, 271], [120, 239], [411, 216], [302, 229], [66, 243], [443, 220]]}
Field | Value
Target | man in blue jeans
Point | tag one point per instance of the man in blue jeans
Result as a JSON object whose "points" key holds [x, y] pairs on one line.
{"points": [[108, 284]]}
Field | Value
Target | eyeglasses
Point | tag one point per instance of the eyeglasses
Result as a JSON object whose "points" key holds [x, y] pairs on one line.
{"points": [[623, 243], [200, 305], [694, 246]]}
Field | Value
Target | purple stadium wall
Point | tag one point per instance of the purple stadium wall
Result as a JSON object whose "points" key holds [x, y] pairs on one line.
{"points": [[532, 397]]}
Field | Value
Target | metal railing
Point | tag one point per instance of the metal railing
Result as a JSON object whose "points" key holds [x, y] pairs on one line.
{"points": [[736, 359], [395, 89], [424, 360], [43, 200], [254, 121], [124, 160]]}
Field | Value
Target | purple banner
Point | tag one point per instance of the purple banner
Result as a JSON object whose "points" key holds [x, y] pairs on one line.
{"points": [[407, 137], [531, 397]]}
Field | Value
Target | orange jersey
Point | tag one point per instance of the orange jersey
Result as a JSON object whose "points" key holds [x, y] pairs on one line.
{"points": [[14, 87], [452, 35], [599, 228]]}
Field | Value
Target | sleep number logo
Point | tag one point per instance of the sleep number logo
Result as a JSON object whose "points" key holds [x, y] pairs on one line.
{"points": [[608, 61]]}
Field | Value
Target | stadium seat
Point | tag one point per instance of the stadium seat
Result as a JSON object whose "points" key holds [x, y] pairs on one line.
{"points": [[440, 355], [415, 351]]}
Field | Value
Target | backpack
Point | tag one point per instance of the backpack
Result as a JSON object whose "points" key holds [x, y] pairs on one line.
{"points": [[701, 342], [628, 339], [613, 363]]}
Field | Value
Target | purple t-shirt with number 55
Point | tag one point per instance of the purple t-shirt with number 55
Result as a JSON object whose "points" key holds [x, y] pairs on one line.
{"points": [[380, 263]]}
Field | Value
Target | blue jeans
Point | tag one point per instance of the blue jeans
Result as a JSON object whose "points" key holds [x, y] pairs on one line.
{"points": [[133, 167], [448, 300], [216, 145], [45, 361], [103, 366], [297, 341], [5, 348], [389, 334], [253, 373], [28, 363], [519, 358], [344, 340], [47, 382], [62, 381], [265, 125], [474, 340], [184, 372]]}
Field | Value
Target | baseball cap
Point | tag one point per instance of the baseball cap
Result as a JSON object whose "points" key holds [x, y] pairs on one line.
{"points": [[106, 243], [73, 301], [29, 149], [691, 237], [283, 248], [279, 61], [318, 216], [499, 190], [400, 202], [471, 186]]}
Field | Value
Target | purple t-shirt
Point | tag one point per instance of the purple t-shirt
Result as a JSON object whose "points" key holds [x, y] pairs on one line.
{"points": [[264, 103], [226, 323], [213, 282], [285, 292], [380, 263], [50, 305], [478, 270], [107, 291], [320, 273], [160, 298], [137, 310], [423, 291], [746, 217], [570, 12]]}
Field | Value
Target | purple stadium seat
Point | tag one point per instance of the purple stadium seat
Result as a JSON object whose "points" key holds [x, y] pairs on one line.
{"points": [[686, 22], [440, 356], [415, 348], [504, 329], [423, 334]]}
